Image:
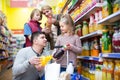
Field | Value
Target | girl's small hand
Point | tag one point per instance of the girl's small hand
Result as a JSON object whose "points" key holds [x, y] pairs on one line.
{"points": [[68, 46]]}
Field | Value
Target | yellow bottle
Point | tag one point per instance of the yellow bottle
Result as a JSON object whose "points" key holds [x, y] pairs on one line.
{"points": [[85, 30]]}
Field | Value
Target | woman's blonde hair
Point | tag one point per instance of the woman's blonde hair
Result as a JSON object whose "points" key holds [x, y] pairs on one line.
{"points": [[33, 12], [67, 19], [46, 7]]}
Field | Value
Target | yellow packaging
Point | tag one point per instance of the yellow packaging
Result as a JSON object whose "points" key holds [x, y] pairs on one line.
{"points": [[45, 59], [104, 70], [110, 70], [117, 70]]}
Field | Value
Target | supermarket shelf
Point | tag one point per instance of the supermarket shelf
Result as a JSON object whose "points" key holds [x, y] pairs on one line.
{"points": [[112, 18], [77, 3], [84, 78], [66, 4], [97, 33], [111, 55], [90, 58], [3, 41], [88, 13], [2, 49]]}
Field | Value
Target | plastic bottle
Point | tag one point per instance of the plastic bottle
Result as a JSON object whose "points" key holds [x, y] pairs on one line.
{"points": [[106, 41], [107, 8], [116, 6], [95, 49], [58, 54], [78, 30], [70, 68], [91, 23], [117, 70], [115, 39], [85, 30]]}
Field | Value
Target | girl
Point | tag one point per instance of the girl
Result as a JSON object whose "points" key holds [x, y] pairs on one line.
{"points": [[68, 38], [32, 26]]}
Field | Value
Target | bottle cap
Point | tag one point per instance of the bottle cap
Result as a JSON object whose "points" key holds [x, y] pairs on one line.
{"points": [[70, 61]]}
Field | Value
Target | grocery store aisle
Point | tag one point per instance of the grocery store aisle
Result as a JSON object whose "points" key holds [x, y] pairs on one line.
{"points": [[7, 75]]}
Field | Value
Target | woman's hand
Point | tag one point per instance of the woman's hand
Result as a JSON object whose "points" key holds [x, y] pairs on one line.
{"points": [[46, 30]]}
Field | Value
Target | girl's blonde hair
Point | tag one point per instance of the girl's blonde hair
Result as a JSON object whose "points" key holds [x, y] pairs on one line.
{"points": [[33, 12], [67, 19]]}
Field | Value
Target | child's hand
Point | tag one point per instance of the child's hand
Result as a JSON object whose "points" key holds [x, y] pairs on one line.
{"points": [[68, 46]]}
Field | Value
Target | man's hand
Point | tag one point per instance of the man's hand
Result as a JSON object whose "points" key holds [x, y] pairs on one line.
{"points": [[39, 67], [34, 60]]}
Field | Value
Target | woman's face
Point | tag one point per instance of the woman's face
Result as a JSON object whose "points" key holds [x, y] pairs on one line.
{"points": [[64, 27], [37, 16], [1, 21], [47, 12]]}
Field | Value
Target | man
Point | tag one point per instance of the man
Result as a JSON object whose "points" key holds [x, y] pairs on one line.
{"points": [[52, 22], [27, 65]]}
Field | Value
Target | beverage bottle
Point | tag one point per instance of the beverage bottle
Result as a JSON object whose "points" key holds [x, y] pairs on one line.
{"points": [[115, 39], [70, 68], [58, 54], [116, 6], [107, 8], [79, 30], [106, 41], [85, 30], [91, 24]]}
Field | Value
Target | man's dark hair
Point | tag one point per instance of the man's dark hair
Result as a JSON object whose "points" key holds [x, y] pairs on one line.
{"points": [[35, 35]]}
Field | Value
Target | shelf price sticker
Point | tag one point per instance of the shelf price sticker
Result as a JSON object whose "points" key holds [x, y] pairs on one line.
{"points": [[105, 55]]}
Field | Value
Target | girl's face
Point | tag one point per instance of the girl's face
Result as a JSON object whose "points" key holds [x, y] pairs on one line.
{"points": [[47, 12], [37, 16], [64, 27]]}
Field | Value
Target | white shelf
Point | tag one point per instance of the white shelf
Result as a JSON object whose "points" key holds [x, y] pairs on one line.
{"points": [[84, 78], [90, 58], [110, 19], [96, 33], [88, 13], [111, 55]]}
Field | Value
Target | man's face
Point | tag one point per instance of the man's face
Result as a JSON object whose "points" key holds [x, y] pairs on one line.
{"points": [[47, 12], [41, 40]]}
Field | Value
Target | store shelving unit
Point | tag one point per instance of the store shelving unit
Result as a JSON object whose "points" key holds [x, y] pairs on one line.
{"points": [[93, 34], [87, 14], [84, 78], [106, 21], [110, 19], [90, 58], [111, 55], [66, 4], [74, 6]]}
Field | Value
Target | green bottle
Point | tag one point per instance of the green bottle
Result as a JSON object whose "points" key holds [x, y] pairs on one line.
{"points": [[106, 41]]}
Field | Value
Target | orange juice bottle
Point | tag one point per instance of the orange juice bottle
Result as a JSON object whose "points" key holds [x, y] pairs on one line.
{"points": [[104, 70], [117, 70], [110, 70], [95, 49]]}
